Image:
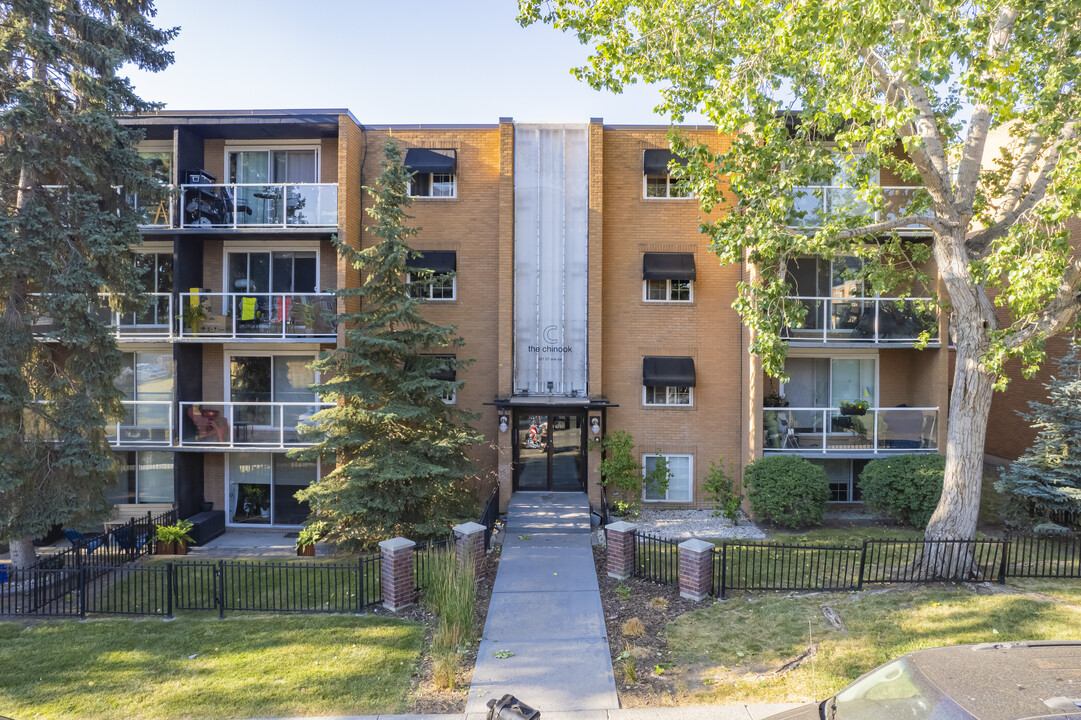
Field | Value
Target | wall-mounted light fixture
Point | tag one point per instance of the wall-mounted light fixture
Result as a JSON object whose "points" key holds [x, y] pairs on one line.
{"points": [[595, 426], [503, 422]]}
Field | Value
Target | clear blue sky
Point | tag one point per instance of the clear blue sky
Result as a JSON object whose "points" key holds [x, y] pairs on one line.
{"points": [[389, 61]]}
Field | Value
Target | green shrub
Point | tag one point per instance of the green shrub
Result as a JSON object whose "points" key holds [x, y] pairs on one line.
{"points": [[177, 532], [904, 487], [787, 490], [720, 488]]}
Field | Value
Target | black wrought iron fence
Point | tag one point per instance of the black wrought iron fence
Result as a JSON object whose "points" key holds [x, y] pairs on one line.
{"points": [[122, 544], [769, 566], [489, 517], [422, 559], [163, 588], [656, 559]]}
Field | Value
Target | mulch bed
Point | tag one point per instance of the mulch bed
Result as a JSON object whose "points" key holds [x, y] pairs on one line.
{"points": [[660, 681], [423, 696]]}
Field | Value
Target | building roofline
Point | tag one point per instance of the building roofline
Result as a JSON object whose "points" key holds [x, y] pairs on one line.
{"points": [[433, 126], [299, 115]]}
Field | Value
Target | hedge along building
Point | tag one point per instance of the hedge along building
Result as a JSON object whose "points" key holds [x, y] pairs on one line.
{"points": [[582, 288]]}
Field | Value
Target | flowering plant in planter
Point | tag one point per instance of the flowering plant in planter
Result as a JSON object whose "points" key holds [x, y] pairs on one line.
{"points": [[854, 407]]}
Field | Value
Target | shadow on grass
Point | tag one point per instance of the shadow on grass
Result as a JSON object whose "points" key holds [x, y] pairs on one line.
{"points": [[239, 667]]}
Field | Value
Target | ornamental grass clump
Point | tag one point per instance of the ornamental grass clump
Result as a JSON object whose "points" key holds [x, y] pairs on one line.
{"points": [[452, 595]]}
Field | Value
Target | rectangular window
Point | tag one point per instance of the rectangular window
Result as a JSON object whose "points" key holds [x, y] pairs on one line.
{"points": [[679, 484], [146, 379], [668, 290], [668, 395], [843, 476], [434, 287], [143, 477], [666, 186]]}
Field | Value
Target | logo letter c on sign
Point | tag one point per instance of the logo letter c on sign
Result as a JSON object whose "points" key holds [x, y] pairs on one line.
{"points": [[551, 335]]}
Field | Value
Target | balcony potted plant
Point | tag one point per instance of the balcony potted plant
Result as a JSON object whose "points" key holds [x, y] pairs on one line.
{"points": [[192, 316], [774, 399], [308, 537], [173, 539], [854, 407], [304, 311]]}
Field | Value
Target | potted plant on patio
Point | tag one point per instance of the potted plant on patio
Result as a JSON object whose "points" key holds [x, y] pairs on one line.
{"points": [[193, 316], [308, 537], [854, 407], [173, 539]]}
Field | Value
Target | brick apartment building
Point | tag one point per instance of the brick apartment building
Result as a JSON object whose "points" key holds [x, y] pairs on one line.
{"points": [[583, 290]]}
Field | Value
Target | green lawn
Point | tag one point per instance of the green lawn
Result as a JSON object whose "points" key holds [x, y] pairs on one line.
{"points": [[269, 666], [729, 648]]}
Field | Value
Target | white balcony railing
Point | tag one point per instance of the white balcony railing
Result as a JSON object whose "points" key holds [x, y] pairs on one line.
{"points": [[818, 202], [881, 320], [145, 423], [251, 205], [246, 424], [157, 214], [805, 430], [258, 315], [157, 322]]}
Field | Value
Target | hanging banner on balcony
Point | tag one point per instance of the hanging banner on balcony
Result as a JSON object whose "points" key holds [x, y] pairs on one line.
{"points": [[551, 259]]}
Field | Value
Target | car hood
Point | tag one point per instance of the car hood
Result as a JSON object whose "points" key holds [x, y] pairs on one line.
{"points": [[803, 712]]}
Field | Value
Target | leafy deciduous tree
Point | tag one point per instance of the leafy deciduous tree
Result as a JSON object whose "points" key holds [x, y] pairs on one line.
{"points": [[869, 79], [65, 237]]}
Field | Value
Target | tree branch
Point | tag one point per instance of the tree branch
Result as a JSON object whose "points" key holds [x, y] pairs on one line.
{"points": [[968, 172], [930, 158], [1058, 313], [930, 222], [979, 242]]}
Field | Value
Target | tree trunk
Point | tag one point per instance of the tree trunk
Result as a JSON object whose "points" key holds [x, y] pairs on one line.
{"points": [[22, 551], [972, 320]]}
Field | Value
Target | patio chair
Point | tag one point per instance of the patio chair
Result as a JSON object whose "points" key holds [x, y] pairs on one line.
{"points": [[131, 538], [208, 423], [90, 543]]}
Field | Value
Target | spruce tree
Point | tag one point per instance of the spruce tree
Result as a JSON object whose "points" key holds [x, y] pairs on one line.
{"points": [[65, 236], [1046, 480], [399, 450]]}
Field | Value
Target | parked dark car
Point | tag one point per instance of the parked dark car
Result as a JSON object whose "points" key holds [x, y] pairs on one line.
{"points": [[992, 681]]}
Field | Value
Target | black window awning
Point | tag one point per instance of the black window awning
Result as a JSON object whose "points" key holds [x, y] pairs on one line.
{"points": [[423, 160], [670, 371], [655, 162], [668, 266], [439, 262]]}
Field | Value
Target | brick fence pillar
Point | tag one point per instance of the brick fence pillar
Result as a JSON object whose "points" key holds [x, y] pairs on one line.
{"points": [[469, 542], [620, 549], [396, 573], [695, 569]]}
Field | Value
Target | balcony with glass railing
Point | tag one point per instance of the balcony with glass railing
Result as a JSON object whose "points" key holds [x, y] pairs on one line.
{"points": [[894, 321], [154, 213], [811, 205], [246, 424], [155, 323], [266, 316], [145, 423], [842, 431], [251, 206]]}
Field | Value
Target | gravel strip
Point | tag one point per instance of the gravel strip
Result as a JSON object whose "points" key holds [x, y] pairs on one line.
{"points": [[686, 524]]}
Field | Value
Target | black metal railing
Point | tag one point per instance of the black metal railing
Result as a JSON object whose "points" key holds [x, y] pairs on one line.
{"points": [[769, 566], [489, 517], [656, 559], [119, 545], [164, 588], [422, 559]]}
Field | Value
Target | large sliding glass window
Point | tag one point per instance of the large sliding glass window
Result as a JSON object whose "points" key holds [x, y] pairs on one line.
{"points": [[826, 383], [156, 269], [143, 477], [257, 380], [263, 486], [146, 378], [263, 177], [255, 275]]}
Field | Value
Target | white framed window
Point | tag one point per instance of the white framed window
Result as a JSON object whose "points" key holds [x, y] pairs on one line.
{"points": [[667, 395], [843, 475], [262, 488], [665, 186], [142, 477], [279, 164], [668, 290], [433, 287], [680, 484], [434, 173]]}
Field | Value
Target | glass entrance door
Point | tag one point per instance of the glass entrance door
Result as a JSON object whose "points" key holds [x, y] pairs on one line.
{"points": [[548, 450]]}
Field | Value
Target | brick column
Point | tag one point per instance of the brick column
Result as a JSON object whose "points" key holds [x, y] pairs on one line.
{"points": [[469, 541], [396, 573], [695, 569], [620, 549]]}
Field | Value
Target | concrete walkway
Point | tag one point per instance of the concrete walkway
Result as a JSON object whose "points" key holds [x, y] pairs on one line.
{"points": [[546, 611]]}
